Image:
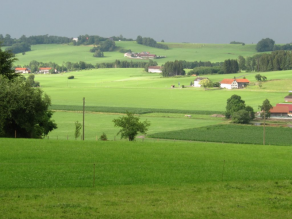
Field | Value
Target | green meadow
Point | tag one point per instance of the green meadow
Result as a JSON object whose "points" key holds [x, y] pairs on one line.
{"points": [[175, 171], [75, 179], [177, 51]]}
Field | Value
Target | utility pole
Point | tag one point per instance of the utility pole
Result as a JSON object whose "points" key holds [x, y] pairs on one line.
{"points": [[264, 134], [83, 118]]}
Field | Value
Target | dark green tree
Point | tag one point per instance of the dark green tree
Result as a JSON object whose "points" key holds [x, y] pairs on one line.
{"points": [[241, 63], [234, 104], [24, 110], [241, 116], [265, 45], [173, 69], [6, 60], [131, 126]]}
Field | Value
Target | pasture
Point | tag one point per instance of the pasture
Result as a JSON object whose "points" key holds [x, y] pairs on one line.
{"points": [[190, 52], [74, 179]]}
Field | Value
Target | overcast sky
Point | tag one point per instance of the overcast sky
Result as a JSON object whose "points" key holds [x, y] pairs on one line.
{"points": [[195, 21]]}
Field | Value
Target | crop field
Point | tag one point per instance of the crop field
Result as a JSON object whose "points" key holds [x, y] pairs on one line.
{"points": [[75, 179], [247, 134], [189, 52]]}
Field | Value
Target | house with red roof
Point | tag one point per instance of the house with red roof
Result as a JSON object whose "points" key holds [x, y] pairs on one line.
{"points": [[44, 70], [234, 83], [197, 81], [279, 111], [22, 70]]}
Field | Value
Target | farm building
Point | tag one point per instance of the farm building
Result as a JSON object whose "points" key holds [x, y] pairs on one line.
{"points": [[44, 70], [141, 55], [234, 83], [279, 111], [197, 81], [155, 69], [22, 70], [288, 99], [286, 105]]}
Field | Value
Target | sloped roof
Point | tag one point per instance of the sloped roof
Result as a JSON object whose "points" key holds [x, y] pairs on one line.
{"points": [[21, 69], [45, 68], [242, 80], [200, 78], [227, 81], [286, 105], [288, 97], [280, 109]]}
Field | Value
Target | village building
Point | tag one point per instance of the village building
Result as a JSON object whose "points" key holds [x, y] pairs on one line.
{"points": [[22, 70], [286, 105], [141, 55], [197, 81], [155, 69], [44, 70], [288, 99], [234, 83], [75, 39], [279, 111]]}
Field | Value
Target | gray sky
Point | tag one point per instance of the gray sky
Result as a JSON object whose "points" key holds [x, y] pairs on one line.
{"points": [[196, 21]]}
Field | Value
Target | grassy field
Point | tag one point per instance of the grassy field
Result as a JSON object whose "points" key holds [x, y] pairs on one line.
{"points": [[50, 178], [189, 52], [247, 134]]}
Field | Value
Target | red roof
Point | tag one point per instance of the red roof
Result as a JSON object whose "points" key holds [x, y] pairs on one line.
{"points": [[229, 81], [45, 68], [286, 105], [20, 69], [242, 80], [280, 109]]}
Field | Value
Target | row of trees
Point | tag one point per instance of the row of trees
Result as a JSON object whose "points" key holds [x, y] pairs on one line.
{"points": [[276, 61], [147, 41], [81, 65], [173, 69], [24, 109]]}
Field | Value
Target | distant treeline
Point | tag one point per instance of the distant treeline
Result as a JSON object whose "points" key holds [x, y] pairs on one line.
{"points": [[75, 66], [276, 61], [268, 44], [17, 45], [235, 42], [147, 41]]}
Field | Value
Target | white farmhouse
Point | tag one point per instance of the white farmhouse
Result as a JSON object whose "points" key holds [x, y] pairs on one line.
{"points": [[197, 81], [234, 83], [155, 69]]}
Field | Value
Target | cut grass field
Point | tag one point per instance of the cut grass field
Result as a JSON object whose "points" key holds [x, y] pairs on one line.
{"points": [[45, 179], [190, 52]]}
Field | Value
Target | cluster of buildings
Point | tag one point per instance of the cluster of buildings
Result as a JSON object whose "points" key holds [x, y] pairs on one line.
{"points": [[44, 70], [226, 83], [141, 55], [282, 109]]}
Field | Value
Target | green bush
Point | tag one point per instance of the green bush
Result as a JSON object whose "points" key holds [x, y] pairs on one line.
{"points": [[103, 137], [71, 77]]}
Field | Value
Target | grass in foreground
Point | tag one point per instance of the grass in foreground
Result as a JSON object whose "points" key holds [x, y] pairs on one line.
{"points": [[54, 179], [243, 134], [260, 200]]}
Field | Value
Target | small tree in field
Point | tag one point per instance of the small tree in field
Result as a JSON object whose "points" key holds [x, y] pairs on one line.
{"points": [[131, 126], [265, 107], [206, 83], [78, 127]]}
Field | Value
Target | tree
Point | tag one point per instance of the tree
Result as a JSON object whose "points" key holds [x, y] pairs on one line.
{"points": [[24, 110], [78, 127], [265, 45], [131, 126], [6, 60], [234, 104], [206, 83], [173, 69], [230, 66], [241, 62], [265, 108], [258, 77], [241, 116]]}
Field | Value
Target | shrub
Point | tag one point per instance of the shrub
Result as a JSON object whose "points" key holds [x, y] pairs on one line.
{"points": [[216, 84], [103, 137], [71, 77], [182, 86]]}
